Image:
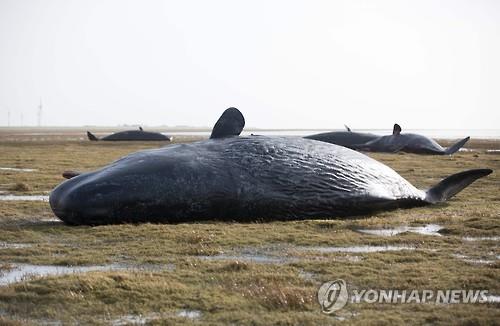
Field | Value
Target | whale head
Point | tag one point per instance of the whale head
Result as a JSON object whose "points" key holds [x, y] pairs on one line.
{"points": [[116, 192], [146, 183]]}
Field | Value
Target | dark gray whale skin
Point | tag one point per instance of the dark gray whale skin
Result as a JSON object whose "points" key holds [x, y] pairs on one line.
{"points": [[344, 138], [409, 143], [132, 135], [241, 179]]}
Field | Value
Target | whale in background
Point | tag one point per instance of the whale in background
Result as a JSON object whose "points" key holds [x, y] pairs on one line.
{"points": [[409, 143], [131, 135], [346, 138]]}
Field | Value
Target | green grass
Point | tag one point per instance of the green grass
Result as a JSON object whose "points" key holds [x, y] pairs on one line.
{"points": [[235, 290]]}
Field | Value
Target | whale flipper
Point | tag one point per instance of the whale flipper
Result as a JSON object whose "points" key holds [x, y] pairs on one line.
{"points": [[347, 128], [230, 123], [453, 184], [91, 136], [455, 147]]}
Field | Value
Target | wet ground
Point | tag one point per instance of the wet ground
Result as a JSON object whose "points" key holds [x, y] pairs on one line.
{"points": [[430, 229], [241, 273], [24, 198]]}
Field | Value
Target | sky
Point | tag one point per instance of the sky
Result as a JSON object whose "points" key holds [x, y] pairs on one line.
{"points": [[285, 64]]}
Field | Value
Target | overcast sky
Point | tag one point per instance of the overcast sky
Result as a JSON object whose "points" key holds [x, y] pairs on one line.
{"points": [[284, 64]]}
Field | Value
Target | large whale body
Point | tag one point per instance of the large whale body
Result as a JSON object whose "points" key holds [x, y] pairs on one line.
{"points": [[131, 135], [409, 143], [347, 138], [242, 179]]}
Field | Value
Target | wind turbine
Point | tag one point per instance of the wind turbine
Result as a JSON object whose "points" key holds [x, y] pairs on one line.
{"points": [[40, 113]]}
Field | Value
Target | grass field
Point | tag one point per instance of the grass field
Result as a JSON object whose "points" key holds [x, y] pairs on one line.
{"points": [[241, 273]]}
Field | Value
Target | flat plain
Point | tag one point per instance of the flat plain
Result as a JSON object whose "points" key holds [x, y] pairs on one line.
{"points": [[240, 273]]}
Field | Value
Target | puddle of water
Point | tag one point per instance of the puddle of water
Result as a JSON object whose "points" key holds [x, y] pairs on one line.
{"points": [[478, 261], [21, 272], [24, 198], [52, 219], [18, 169], [6, 245], [134, 319], [477, 150], [429, 229], [281, 254], [481, 238], [147, 318], [149, 267], [262, 259], [348, 258], [189, 313], [274, 254], [358, 249]]}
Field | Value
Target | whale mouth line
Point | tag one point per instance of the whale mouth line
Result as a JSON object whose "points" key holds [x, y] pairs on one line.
{"points": [[74, 218], [63, 214]]}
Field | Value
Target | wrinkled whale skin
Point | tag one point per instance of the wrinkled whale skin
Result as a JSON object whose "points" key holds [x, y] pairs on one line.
{"points": [[235, 178]]}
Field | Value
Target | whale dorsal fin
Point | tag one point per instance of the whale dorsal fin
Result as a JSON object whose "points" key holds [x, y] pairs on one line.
{"points": [[140, 128], [347, 128], [396, 130], [230, 123]]}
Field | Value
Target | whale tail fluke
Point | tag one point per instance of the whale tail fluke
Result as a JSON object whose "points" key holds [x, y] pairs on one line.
{"points": [[455, 147], [453, 184], [91, 136]]}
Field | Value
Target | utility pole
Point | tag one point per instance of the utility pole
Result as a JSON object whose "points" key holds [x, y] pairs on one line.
{"points": [[40, 113]]}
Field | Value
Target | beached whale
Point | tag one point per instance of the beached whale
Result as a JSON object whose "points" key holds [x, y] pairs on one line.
{"points": [[347, 138], [409, 143], [242, 179], [131, 135]]}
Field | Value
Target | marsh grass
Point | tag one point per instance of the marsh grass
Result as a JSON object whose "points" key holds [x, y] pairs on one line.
{"points": [[237, 290]]}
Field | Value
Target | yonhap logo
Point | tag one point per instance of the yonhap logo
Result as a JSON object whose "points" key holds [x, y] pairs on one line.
{"points": [[333, 296]]}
